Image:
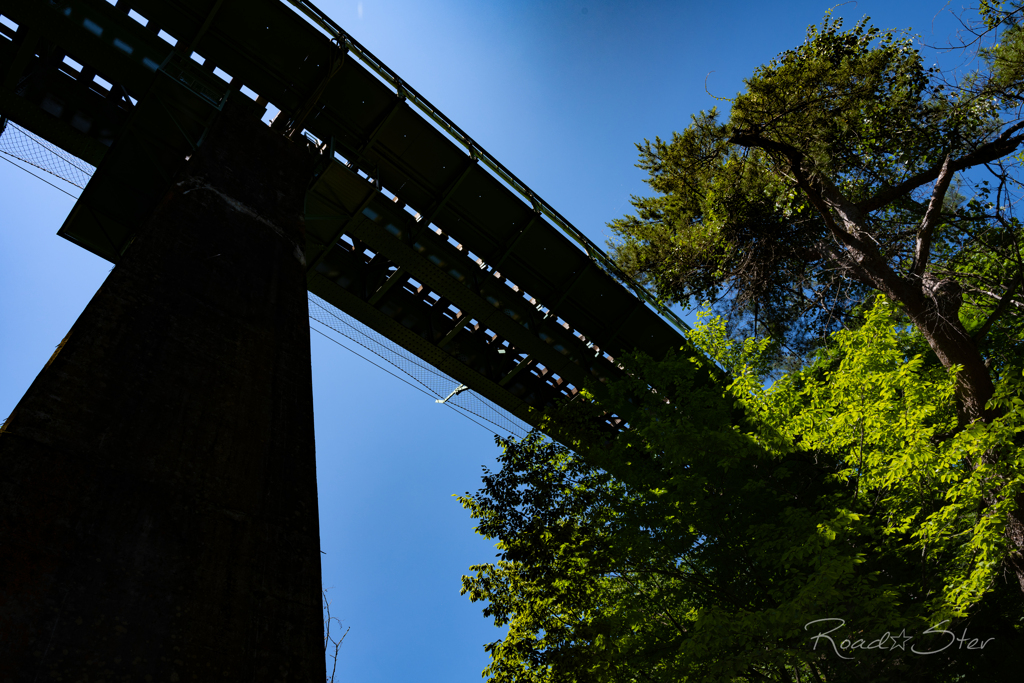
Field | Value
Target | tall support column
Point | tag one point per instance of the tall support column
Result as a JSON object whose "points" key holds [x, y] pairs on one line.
{"points": [[158, 504]]}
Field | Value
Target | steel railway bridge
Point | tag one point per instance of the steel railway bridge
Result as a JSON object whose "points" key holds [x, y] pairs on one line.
{"points": [[403, 222], [411, 227]]}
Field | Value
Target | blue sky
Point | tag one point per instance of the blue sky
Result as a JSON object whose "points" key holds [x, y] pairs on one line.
{"points": [[559, 92]]}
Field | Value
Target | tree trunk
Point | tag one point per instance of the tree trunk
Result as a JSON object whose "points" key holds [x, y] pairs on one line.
{"points": [[938, 320]]}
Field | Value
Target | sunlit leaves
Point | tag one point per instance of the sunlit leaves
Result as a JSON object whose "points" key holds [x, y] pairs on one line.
{"points": [[890, 418], [698, 544]]}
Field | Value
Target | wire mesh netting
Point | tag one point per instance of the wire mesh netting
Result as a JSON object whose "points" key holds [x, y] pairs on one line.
{"points": [[31, 149], [424, 376]]}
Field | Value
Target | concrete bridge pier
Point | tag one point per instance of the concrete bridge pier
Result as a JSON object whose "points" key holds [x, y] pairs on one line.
{"points": [[158, 501]]}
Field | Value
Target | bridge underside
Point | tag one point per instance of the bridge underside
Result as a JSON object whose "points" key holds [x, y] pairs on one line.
{"points": [[412, 228]]}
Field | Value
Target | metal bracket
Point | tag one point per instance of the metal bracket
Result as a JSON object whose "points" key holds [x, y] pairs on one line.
{"points": [[427, 217], [21, 59], [341, 230], [336, 65], [515, 371], [372, 137], [512, 244], [459, 326], [455, 392], [394, 279], [202, 30]]}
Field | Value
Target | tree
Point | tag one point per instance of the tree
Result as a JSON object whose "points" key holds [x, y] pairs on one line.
{"points": [[686, 549], [847, 167], [331, 643], [832, 178]]}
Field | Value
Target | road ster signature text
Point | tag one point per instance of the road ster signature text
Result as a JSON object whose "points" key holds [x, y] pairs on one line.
{"points": [[935, 639]]}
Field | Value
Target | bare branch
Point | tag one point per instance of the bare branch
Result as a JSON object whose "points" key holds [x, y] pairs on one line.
{"points": [[993, 295], [922, 250], [1004, 303]]}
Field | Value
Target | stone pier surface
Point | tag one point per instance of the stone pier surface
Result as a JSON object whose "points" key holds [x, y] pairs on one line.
{"points": [[158, 502]]}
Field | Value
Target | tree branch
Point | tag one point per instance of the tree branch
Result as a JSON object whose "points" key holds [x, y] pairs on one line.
{"points": [[752, 138], [863, 258], [1004, 303], [923, 248], [993, 295], [990, 151], [751, 670]]}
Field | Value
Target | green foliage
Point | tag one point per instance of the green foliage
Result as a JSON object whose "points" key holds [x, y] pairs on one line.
{"points": [[879, 480], [890, 418], [745, 358], [855, 103], [815, 190], [1006, 55], [688, 548]]}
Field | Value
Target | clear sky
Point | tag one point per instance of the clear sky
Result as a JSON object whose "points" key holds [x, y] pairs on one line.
{"points": [[558, 91]]}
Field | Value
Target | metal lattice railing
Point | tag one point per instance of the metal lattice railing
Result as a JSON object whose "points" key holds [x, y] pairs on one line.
{"points": [[31, 149]]}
